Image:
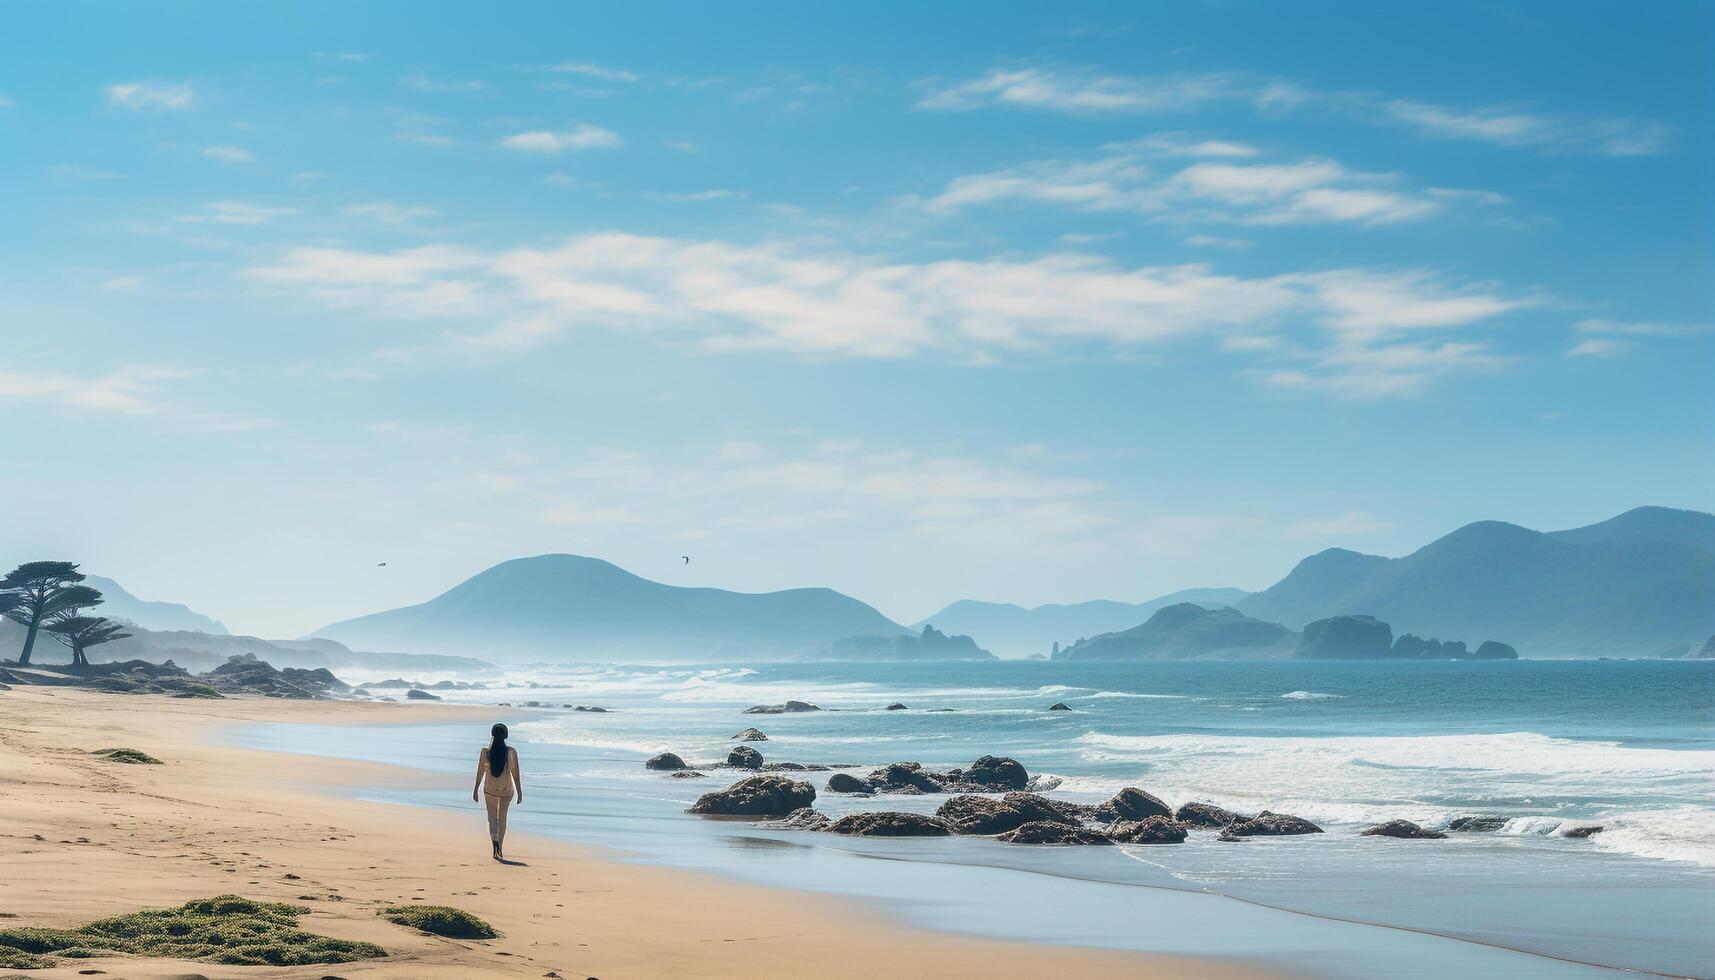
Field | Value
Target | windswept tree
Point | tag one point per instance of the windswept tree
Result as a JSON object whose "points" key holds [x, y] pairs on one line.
{"points": [[82, 632], [35, 592]]}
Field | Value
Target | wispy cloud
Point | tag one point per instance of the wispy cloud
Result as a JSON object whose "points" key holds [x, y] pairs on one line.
{"points": [[389, 213], [1039, 88], [235, 213], [1512, 126], [423, 82], [138, 96], [345, 57], [581, 137], [593, 70], [1607, 338], [1353, 523], [229, 154]]}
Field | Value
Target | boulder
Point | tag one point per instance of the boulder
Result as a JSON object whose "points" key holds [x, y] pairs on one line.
{"points": [[982, 815], [794, 767], [416, 695], [996, 771], [592, 709], [1227, 836], [902, 777], [756, 796], [750, 735], [1058, 706], [1036, 807], [1579, 833], [1404, 829], [666, 761], [801, 819], [744, 757], [1474, 825], [1266, 824], [890, 824], [1206, 815], [896, 706], [841, 782], [1045, 832], [686, 774], [1152, 830], [1132, 803], [790, 707]]}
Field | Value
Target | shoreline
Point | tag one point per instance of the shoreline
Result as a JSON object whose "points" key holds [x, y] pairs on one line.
{"points": [[87, 838]]}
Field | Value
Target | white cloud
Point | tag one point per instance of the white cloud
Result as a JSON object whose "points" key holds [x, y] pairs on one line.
{"points": [[389, 213], [595, 71], [425, 83], [137, 96], [130, 390], [723, 296], [1598, 347], [715, 194], [1038, 88], [1179, 144], [235, 213], [1655, 328], [1507, 126], [228, 154], [582, 137], [345, 57], [1353, 523]]}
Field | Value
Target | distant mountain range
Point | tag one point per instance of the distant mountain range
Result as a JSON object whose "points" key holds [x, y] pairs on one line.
{"points": [[1640, 584], [569, 608], [120, 604], [1014, 631]]}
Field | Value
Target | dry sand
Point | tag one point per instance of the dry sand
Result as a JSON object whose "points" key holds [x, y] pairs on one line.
{"points": [[82, 838]]}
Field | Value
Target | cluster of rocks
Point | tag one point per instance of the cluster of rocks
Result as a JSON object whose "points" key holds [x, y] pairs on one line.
{"points": [[395, 682], [790, 707], [243, 674], [740, 757]]}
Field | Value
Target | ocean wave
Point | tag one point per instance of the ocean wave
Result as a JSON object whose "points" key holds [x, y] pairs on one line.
{"points": [[1309, 696], [1134, 694]]}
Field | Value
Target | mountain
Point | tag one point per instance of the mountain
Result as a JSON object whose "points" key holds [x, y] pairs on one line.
{"points": [[1634, 585], [120, 604], [1184, 631], [1014, 631], [571, 608]]}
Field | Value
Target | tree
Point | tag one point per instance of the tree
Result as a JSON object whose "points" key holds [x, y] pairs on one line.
{"points": [[82, 632], [34, 592]]}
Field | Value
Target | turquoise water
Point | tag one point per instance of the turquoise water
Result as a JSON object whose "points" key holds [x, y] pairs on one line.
{"points": [[1549, 745]]}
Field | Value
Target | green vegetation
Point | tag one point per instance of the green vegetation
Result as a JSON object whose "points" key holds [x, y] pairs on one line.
{"points": [[136, 757], [224, 929], [440, 920], [11, 959]]}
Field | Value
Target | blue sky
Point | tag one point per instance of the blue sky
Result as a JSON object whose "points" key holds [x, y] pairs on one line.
{"points": [[1017, 302]]}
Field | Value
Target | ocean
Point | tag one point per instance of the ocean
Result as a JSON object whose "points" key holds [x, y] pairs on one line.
{"points": [[1549, 746]]}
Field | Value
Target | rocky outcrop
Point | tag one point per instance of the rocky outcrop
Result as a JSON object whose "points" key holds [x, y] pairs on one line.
{"points": [[1410, 646], [1058, 706], [1183, 631], [801, 819], [904, 776], [1495, 650], [415, 695], [1046, 832], [665, 761], [686, 774], [1346, 638], [1132, 803], [793, 767], [1206, 815], [888, 823], [1266, 824], [986, 816], [997, 771], [931, 644], [841, 782], [1479, 824], [1579, 833], [1404, 829], [986, 775], [895, 706], [790, 707], [756, 796], [750, 735], [744, 757], [1153, 830]]}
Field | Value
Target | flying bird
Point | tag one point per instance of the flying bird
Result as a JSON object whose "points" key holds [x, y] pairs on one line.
{"points": [[687, 558], [380, 564]]}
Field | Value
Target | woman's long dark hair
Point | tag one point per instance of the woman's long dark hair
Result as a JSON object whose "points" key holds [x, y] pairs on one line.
{"points": [[497, 751]]}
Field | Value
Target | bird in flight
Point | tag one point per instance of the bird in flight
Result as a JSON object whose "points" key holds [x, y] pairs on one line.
{"points": [[687, 558], [380, 564]]}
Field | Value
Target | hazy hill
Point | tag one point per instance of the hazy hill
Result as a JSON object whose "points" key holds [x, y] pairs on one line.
{"points": [[1185, 631], [120, 604], [1014, 631], [567, 607], [1642, 583]]}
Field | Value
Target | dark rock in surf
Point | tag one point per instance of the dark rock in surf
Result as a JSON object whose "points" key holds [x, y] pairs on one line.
{"points": [[416, 695], [905, 776], [1266, 824], [801, 819], [666, 761], [756, 796], [750, 735], [1206, 815], [744, 757], [1579, 833], [996, 771], [1132, 803], [890, 824], [790, 707], [841, 782], [1038, 807], [1475, 825], [1046, 832], [1153, 830], [686, 774], [1058, 706], [794, 767], [1403, 829], [896, 706]]}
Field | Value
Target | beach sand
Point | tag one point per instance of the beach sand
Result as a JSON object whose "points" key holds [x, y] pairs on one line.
{"points": [[82, 837]]}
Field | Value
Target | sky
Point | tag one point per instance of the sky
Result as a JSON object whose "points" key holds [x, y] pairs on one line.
{"points": [[1018, 302]]}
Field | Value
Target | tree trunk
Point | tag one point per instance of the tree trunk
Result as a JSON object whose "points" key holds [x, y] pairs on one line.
{"points": [[29, 644], [77, 658]]}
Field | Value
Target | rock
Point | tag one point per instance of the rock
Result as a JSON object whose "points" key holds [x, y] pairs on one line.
{"points": [[1058, 706], [1472, 825], [1266, 824], [1037, 807], [888, 823], [686, 774], [996, 771], [801, 819], [1153, 830], [983, 815], [1132, 803], [794, 767], [904, 776], [1579, 833], [744, 757], [1206, 815], [665, 761], [841, 782], [789, 707], [1495, 650], [896, 706], [416, 695], [1404, 829], [1045, 832], [1346, 638], [592, 709], [1228, 837], [757, 796], [750, 735], [532, 704]]}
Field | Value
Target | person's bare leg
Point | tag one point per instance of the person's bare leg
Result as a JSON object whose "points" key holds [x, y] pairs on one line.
{"points": [[504, 804], [496, 821]]}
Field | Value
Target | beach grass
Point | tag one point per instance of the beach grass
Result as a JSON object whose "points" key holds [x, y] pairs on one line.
{"points": [[136, 757], [225, 929], [440, 920]]}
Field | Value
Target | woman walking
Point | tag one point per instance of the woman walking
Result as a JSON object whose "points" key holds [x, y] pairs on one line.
{"points": [[496, 778]]}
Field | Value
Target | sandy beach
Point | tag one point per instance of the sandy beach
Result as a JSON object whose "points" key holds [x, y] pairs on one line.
{"points": [[82, 837]]}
